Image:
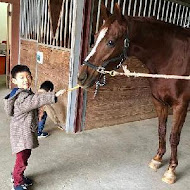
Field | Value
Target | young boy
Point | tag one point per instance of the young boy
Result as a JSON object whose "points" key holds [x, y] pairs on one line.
{"points": [[46, 110], [22, 105]]}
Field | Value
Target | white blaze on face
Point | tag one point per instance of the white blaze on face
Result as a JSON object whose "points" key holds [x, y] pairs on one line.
{"points": [[99, 39]]}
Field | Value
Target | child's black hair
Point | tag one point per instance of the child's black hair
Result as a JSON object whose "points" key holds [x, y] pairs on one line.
{"points": [[47, 86], [19, 68]]}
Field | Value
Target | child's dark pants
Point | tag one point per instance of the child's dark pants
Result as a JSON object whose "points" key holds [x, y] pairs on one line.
{"points": [[20, 166], [41, 123]]}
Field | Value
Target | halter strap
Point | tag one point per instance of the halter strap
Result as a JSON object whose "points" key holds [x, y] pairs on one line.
{"points": [[121, 57]]}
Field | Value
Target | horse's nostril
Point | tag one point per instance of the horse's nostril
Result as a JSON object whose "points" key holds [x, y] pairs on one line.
{"points": [[82, 77]]}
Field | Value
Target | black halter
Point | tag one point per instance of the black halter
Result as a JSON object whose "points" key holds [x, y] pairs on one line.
{"points": [[101, 69], [122, 57]]}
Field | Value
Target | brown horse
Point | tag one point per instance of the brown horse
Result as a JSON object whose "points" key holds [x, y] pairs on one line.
{"points": [[164, 49]]}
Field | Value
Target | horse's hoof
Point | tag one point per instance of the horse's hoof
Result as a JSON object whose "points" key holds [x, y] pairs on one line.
{"points": [[169, 177], [154, 164]]}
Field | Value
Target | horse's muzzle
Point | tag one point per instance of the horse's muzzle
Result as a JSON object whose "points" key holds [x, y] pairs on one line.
{"points": [[82, 78]]}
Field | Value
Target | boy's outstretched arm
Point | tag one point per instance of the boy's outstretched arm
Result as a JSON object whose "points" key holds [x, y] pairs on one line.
{"points": [[60, 92]]}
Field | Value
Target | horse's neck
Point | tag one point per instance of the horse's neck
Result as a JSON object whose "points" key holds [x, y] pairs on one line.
{"points": [[143, 41]]}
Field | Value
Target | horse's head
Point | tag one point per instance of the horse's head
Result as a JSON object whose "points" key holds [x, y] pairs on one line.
{"points": [[109, 49]]}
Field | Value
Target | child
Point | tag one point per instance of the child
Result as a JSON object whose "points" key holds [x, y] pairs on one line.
{"points": [[46, 110], [22, 105]]}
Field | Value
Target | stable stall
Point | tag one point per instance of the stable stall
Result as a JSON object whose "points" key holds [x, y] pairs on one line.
{"points": [[125, 99], [60, 33]]}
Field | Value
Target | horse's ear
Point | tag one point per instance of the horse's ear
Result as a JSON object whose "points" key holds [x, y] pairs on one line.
{"points": [[105, 12], [117, 10]]}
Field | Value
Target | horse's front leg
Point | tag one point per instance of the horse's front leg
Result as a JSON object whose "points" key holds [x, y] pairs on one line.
{"points": [[162, 112], [179, 114]]}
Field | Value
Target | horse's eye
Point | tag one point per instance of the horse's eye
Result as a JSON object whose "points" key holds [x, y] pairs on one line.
{"points": [[110, 43]]}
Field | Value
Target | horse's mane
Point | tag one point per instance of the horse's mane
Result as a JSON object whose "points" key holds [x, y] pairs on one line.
{"points": [[152, 20]]}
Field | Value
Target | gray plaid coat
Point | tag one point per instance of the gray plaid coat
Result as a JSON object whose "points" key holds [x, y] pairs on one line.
{"points": [[23, 109]]}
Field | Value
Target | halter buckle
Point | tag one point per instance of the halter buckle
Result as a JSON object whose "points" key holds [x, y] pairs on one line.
{"points": [[126, 43], [101, 70]]}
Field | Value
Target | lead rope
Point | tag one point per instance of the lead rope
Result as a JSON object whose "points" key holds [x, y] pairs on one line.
{"points": [[128, 73]]}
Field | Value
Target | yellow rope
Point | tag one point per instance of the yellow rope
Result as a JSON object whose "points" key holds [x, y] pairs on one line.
{"points": [[74, 88]]}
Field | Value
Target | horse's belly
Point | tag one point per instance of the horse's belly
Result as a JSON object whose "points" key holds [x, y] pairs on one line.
{"points": [[170, 91]]}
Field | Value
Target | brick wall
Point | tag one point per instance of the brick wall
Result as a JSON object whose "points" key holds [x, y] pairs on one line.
{"points": [[55, 68], [121, 100]]}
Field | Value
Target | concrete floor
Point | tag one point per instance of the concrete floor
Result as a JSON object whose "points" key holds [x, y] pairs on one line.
{"points": [[110, 158]]}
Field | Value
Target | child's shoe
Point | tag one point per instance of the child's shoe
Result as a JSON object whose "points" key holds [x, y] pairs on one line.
{"points": [[43, 135], [20, 187], [27, 181]]}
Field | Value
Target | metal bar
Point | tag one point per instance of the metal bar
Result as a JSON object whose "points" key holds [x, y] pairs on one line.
{"points": [[37, 10], [134, 9], [167, 9], [181, 3], [129, 7], [163, 9], [178, 14], [21, 17], [56, 41], [24, 19], [159, 5], [119, 2], [38, 24], [175, 13], [150, 7], [140, 7], [50, 31], [61, 26], [36, 18], [124, 5], [154, 11], [185, 19], [171, 12], [112, 5], [106, 3], [181, 23], [70, 23], [51, 38], [48, 26], [188, 23], [65, 27], [29, 20], [32, 19], [45, 23], [145, 6], [98, 16], [39, 20], [42, 21]]}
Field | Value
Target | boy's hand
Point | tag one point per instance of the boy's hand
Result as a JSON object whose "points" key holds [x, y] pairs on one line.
{"points": [[60, 92]]}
